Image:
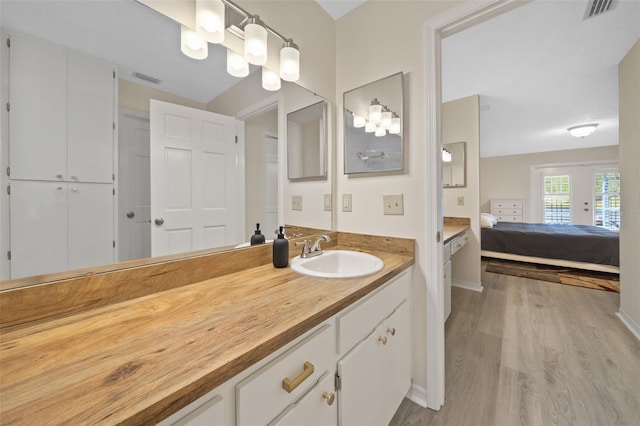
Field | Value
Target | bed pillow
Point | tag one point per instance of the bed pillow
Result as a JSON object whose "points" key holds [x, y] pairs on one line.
{"points": [[487, 220]]}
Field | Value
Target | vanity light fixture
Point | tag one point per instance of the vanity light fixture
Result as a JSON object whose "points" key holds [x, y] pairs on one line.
{"points": [[270, 80], [370, 127], [394, 128], [237, 65], [385, 120], [255, 41], [289, 61], [582, 130], [380, 131], [192, 45], [358, 121], [375, 111], [210, 20], [446, 155]]}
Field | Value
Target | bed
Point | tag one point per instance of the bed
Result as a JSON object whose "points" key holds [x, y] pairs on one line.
{"points": [[575, 246]]}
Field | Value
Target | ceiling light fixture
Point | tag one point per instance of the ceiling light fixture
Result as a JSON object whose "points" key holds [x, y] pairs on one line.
{"points": [[582, 130], [192, 45], [210, 20]]}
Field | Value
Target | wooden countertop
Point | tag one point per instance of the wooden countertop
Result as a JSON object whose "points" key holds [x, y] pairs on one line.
{"points": [[454, 226], [140, 360]]}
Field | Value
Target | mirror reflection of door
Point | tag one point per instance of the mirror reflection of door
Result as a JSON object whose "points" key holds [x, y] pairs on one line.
{"points": [[270, 196]]}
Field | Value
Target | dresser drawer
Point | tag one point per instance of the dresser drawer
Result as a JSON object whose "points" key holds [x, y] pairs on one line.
{"points": [[262, 396], [509, 218], [507, 204], [507, 212], [459, 242]]}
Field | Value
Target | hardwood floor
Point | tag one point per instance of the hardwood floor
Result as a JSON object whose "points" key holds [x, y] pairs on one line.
{"points": [[526, 352]]}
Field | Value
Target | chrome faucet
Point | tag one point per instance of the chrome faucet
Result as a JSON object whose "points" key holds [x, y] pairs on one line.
{"points": [[310, 250]]}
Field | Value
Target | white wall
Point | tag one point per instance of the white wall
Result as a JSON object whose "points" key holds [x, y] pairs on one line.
{"points": [[135, 97], [461, 122], [629, 107], [369, 46], [508, 177]]}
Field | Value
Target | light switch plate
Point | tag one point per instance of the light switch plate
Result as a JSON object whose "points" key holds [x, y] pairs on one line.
{"points": [[346, 203], [327, 202], [393, 204], [296, 202], [461, 201]]}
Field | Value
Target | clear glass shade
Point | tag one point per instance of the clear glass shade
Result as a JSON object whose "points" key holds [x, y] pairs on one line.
{"points": [[192, 45], [255, 44], [289, 63], [270, 80], [237, 66], [210, 20]]}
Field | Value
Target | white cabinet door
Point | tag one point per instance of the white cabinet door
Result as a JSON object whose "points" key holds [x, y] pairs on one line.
{"points": [[397, 364], [447, 289], [38, 228], [90, 224], [211, 413], [38, 116], [361, 394], [90, 119], [317, 408]]}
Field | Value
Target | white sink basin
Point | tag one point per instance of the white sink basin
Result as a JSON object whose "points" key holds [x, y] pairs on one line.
{"points": [[338, 264]]}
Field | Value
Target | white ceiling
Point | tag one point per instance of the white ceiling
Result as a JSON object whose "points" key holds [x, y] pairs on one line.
{"points": [[540, 69], [338, 8]]}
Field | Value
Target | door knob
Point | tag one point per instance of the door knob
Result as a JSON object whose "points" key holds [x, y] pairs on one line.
{"points": [[131, 215], [391, 330], [159, 221]]}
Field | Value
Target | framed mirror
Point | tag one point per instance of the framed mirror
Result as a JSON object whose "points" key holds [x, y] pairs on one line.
{"points": [[307, 142], [373, 126], [454, 165]]}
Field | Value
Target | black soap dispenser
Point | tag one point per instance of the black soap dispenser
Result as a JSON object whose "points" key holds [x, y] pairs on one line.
{"points": [[257, 237], [280, 250]]}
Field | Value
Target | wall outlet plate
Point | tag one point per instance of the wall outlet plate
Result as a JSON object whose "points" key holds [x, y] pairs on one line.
{"points": [[327, 202], [296, 202], [393, 204], [346, 203], [461, 201]]}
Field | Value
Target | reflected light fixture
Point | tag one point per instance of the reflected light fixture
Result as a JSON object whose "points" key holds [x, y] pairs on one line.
{"points": [[370, 127], [192, 45], [358, 121], [385, 120], [582, 130], [375, 111], [210, 20], [394, 128], [380, 131], [255, 41], [270, 80], [289, 61], [237, 65], [446, 155]]}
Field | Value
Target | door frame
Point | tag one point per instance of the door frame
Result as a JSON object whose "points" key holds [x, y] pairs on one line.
{"points": [[265, 135]]}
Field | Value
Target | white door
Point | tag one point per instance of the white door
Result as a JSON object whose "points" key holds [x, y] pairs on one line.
{"points": [[270, 193], [90, 224], [38, 228], [194, 184], [134, 188]]}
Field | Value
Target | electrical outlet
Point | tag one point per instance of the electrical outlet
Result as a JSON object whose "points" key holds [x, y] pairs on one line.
{"points": [[296, 202], [393, 204], [327, 202], [346, 203], [461, 201]]}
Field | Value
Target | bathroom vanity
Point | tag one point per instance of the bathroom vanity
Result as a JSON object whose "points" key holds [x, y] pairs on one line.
{"points": [[456, 236], [250, 344]]}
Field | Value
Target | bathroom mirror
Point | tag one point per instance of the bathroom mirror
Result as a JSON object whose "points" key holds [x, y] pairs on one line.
{"points": [[148, 43], [373, 126], [307, 142], [454, 165]]}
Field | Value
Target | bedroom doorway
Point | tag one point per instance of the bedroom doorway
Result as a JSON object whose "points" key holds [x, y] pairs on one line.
{"points": [[577, 194]]}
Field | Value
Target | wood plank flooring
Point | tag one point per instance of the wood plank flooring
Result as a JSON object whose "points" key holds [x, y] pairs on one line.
{"points": [[527, 352]]}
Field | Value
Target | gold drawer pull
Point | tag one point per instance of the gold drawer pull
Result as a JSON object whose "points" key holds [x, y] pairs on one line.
{"points": [[391, 330], [382, 339], [290, 385], [330, 397]]}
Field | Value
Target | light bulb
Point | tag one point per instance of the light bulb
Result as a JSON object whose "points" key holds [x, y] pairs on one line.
{"points": [[210, 20], [370, 127], [289, 61], [270, 80], [375, 111], [394, 129], [358, 121], [255, 41], [385, 120], [237, 66], [192, 45], [380, 131]]}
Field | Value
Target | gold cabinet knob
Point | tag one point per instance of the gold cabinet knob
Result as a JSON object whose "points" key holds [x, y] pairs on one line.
{"points": [[382, 339], [391, 331], [329, 397]]}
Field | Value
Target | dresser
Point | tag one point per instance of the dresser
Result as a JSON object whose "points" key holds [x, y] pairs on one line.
{"points": [[508, 210]]}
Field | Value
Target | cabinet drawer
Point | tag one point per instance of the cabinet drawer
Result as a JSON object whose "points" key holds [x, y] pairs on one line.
{"points": [[509, 218], [507, 212], [261, 396], [507, 204], [459, 242], [357, 323], [209, 413], [318, 407]]}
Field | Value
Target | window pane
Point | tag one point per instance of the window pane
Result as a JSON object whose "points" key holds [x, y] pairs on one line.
{"points": [[607, 200], [557, 199]]}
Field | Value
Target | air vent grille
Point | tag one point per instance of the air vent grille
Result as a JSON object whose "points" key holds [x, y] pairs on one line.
{"points": [[145, 77], [598, 7]]}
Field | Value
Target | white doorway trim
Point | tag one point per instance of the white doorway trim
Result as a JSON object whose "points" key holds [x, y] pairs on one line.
{"points": [[451, 21]]}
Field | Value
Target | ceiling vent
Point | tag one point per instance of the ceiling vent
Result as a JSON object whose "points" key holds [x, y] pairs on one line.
{"points": [[146, 78], [598, 7]]}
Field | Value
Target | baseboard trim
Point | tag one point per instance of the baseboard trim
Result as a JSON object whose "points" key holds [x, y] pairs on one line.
{"points": [[629, 322], [467, 285], [418, 395]]}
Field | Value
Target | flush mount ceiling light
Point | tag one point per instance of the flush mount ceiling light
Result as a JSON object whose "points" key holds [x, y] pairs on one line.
{"points": [[210, 20], [582, 130], [192, 45]]}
